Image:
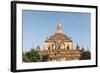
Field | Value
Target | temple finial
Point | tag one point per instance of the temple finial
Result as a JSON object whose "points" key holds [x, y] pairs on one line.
{"points": [[59, 28], [77, 47], [59, 23]]}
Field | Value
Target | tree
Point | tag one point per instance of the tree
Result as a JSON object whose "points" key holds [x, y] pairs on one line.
{"points": [[35, 56], [25, 58], [31, 56], [85, 55]]}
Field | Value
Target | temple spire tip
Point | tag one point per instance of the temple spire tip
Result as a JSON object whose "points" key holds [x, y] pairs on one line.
{"points": [[59, 28]]}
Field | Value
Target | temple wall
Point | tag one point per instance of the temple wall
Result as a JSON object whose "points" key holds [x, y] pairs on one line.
{"points": [[70, 44], [63, 55], [64, 45]]}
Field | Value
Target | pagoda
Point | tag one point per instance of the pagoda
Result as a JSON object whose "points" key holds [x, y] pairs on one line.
{"points": [[59, 46]]}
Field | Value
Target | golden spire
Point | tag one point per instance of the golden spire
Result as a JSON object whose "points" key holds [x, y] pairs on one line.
{"points": [[59, 28]]}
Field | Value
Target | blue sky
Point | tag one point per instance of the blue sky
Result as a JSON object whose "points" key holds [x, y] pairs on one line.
{"points": [[37, 25]]}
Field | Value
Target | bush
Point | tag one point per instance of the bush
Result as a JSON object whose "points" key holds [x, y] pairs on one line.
{"points": [[85, 55], [31, 56]]}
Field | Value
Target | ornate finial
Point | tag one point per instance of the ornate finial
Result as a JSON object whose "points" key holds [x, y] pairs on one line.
{"points": [[59, 28], [82, 48], [38, 47], [77, 47]]}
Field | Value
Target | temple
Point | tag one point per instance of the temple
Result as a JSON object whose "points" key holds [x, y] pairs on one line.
{"points": [[59, 46]]}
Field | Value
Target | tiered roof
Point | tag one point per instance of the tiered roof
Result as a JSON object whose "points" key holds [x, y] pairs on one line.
{"points": [[59, 35]]}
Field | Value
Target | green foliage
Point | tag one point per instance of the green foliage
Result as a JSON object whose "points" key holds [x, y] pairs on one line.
{"points": [[85, 55], [25, 58], [31, 56]]}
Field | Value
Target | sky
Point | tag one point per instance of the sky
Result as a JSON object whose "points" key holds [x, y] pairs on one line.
{"points": [[37, 25]]}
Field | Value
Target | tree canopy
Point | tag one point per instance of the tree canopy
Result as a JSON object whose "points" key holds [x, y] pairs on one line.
{"points": [[85, 55], [33, 56]]}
